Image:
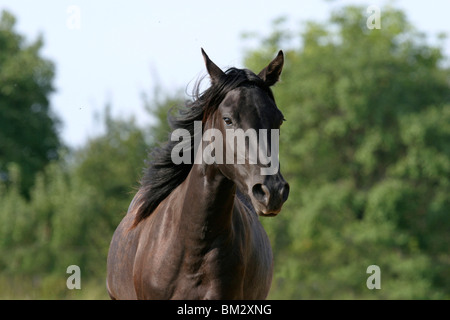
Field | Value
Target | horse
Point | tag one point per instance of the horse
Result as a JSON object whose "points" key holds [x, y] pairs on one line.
{"points": [[192, 230]]}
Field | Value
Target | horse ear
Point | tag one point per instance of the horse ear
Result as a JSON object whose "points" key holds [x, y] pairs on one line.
{"points": [[271, 73], [214, 71]]}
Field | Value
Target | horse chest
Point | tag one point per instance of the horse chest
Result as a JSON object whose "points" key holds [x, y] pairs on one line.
{"points": [[221, 271]]}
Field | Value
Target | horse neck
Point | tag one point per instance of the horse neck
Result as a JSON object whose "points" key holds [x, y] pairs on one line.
{"points": [[209, 197], [210, 201]]}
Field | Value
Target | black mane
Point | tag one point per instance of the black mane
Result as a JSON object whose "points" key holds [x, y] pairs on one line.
{"points": [[162, 176]]}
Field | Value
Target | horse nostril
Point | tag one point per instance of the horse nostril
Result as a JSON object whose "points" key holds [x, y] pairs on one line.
{"points": [[285, 192], [261, 193]]}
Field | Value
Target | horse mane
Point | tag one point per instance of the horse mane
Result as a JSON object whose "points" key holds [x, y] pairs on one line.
{"points": [[162, 176]]}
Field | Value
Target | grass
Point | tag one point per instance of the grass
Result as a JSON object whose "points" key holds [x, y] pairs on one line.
{"points": [[49, 287]]}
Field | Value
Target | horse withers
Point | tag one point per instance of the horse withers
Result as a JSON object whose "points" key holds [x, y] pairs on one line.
{"points": [[192, 230]]}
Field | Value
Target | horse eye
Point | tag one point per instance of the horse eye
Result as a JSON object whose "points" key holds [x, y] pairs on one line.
{"points": [[228, 121]]}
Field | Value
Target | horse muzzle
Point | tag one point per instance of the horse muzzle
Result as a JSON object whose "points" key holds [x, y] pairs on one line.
{"points": [[268, 197]]}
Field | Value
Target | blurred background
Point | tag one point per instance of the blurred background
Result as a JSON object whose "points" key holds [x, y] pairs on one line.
{"points": [[85, 88]]}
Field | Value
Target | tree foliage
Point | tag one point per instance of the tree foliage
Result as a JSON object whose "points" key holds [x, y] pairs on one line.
{"points": [[28, 129], [74, 207], [366, 150]]}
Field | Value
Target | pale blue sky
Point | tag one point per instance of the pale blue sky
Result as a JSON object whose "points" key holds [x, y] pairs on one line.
{"points": [[120, 45]]}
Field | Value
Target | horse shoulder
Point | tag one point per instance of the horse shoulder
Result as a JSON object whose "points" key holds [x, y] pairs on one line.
{"points": [[159, 256], [121, 256]]}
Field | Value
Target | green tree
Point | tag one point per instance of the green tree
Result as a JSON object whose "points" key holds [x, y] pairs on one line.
{"points": [[74, 206], [161, 106], [110, 167], [366, 149], [28, 129]]}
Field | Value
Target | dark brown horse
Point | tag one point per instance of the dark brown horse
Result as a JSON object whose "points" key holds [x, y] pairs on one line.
{"points": [[192, 230]]}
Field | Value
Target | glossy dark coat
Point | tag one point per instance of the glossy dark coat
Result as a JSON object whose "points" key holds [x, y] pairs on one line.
{"points": [[201, 238]]}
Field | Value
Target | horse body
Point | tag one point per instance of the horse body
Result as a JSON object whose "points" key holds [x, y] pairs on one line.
{"points": [[220, 254], [192, 230]]}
